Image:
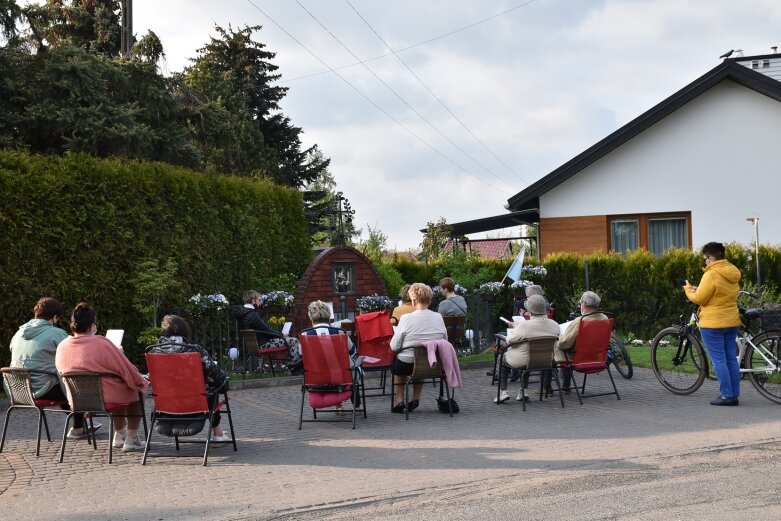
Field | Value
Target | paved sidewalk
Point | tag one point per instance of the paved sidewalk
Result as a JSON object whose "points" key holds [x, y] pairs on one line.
{"points": [[280, 471]]}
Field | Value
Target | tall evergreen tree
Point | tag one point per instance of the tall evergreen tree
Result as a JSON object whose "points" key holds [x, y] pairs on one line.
{"points": [[233, 76]]}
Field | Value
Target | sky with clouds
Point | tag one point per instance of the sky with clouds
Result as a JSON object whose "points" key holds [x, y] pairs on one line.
{"points": [[460, 104]]}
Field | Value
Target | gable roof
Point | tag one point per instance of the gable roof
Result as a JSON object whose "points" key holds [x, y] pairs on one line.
{"points": [[528, 198], [488, 248]]}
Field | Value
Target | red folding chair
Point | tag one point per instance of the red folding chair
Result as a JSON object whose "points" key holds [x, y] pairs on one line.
{"points": [[180, 397], [257, 356], [20, 392], [591, 346], [328, 378], [374, 335]]}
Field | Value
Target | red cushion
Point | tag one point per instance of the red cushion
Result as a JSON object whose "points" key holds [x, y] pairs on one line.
{"points": [[589, 367], [321, 400], [49, 403], [114, 407], [273, 349]]}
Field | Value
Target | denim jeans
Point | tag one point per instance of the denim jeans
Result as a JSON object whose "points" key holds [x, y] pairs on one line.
{"points": [[720, 343]]}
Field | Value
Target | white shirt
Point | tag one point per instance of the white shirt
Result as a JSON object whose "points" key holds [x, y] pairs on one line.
{"points": [[417, 327]]}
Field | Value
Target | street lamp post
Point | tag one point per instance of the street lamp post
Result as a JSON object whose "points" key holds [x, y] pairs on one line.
{"points": [[755, 222]]}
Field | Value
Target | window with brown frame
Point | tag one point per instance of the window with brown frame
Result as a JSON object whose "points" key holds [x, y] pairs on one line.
{"points": [[653, 232]]}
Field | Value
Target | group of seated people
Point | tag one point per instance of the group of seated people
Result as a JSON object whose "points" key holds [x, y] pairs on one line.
{"points": [[539, 325], [40, 344]]}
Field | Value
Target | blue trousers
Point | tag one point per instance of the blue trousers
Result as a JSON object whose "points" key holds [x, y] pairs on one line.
{"points": [[720, 343]]}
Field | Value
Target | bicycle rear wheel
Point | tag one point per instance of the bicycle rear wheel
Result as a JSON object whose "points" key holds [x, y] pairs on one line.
{"points": [[620, 358], [679, 362], [765, 364]]}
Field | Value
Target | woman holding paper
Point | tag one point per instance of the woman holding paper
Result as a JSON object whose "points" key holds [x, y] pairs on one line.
{"points": [[88, 351]]}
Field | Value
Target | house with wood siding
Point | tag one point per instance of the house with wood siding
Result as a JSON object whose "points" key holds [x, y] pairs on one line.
{"points": [[690, 170]]}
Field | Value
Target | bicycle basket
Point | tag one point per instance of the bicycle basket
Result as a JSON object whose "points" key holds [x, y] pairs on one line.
{"points": [[771, 318]]}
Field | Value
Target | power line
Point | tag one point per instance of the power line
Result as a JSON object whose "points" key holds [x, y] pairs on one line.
{"points": [[434, 95], [399, 123], [421, 116], [524, 4]]}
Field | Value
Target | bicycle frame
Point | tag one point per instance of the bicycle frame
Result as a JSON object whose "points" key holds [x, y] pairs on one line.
{"points": [[743, 339], [767, 356]]}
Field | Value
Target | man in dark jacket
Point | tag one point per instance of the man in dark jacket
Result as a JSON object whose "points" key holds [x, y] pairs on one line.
{"points": [[248, 317]]}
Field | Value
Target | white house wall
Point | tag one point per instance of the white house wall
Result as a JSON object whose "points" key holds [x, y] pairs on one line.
{"points": [[718, 156]]}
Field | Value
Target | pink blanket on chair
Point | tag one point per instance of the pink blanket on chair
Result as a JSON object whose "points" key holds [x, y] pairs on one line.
{"points": [[447, 354]]}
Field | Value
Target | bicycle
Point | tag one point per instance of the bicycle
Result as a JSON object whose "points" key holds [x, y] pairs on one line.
{"points": [[681, 365], [619, 357]]}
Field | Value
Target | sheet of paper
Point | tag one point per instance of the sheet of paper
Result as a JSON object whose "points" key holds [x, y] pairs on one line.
{"points": [[563, 327], [115, 335], [286, 328], [370, 359]]}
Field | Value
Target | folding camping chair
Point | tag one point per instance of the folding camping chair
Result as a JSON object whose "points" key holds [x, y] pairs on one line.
{"points": [[328, 378], [374, 334], [270, 355], [181, 400], [591, 346]]}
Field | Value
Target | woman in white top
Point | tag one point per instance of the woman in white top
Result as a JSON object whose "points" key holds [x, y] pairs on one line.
{"points": [[416, 327]]}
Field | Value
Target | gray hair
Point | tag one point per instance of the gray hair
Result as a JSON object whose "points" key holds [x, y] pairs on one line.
{"points": [[590, 299], [318, 311], [250, 295], [534, 289]]}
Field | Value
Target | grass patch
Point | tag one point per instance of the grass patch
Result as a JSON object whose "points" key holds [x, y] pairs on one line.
{"points": [[480, 357]]}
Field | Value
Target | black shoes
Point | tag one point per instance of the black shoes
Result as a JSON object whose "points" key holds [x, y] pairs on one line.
{"points": [[398, 408], [412, 405], [729, 402]]}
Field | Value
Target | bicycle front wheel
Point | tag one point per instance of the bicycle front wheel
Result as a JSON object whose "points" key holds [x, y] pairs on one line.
{"points": [[679, 361], [764, 361], [620, 358]]}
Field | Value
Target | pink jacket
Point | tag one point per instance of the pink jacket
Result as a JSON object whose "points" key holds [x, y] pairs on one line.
{"points": [[449, 360], [98, 354]]}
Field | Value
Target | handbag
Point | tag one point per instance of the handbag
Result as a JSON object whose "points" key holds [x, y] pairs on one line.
{"points": [[442, 405]]}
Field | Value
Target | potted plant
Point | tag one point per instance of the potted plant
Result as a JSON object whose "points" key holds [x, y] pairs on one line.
{"points": [[371, 303]]}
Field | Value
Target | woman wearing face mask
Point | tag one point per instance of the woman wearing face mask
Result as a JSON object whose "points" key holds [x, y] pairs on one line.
{"points": [[87, 351]]}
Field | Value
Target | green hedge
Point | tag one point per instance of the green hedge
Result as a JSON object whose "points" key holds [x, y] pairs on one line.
{"points": [[79, 228], [640, 288]]}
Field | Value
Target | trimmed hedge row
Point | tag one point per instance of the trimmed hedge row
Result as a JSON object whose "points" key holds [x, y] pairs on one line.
{"points": [[79, 228], [641, 289]]}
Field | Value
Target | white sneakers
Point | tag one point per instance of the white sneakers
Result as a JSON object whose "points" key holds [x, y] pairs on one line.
{"points": [[224, 437], [119, 439], [503, 397], [132, 444], [126, 443], [522, 396], [74, 435]]}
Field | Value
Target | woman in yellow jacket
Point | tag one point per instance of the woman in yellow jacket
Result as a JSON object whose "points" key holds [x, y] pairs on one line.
{"points": [[717, 296]]}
